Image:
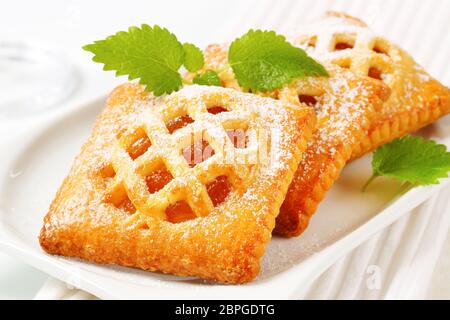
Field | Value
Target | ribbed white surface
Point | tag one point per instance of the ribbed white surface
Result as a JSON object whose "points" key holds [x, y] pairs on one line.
{"points": [[418, 26], [402, 257], [398, 262]]}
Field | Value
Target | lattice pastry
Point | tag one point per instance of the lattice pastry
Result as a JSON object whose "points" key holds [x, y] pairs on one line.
{"points": [[416, 100], [189, 183], [346, 105]]}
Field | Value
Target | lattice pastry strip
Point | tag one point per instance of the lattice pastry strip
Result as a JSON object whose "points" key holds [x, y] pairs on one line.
{"points": [[416, 99], [165, 148], [346, 105], [133, 197]]}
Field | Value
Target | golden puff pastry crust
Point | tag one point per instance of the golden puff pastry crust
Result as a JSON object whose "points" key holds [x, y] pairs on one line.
{"points": [[135, 197], [346, 106], [416, 99]]}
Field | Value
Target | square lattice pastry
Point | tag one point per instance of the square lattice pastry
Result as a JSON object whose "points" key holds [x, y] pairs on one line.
{"points": [[416, 98], [189, 183], [346, 105]]}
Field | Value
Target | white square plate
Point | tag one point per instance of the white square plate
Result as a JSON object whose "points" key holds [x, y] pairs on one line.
{"points": [[34, 165]]}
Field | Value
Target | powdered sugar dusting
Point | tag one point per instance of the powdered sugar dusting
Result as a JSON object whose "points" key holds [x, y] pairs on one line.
{"points": [[399, 71]]}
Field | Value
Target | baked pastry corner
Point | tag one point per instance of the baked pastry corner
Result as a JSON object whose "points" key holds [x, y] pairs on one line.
{"points": [[134, 196]]}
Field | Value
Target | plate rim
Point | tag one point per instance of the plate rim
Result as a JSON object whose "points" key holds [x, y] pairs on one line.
{"points": [[276, 286]]}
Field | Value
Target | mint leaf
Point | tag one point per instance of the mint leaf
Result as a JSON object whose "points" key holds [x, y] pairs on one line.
{"points": [[263, 61], [153, 55], [413, 160], [193, 57], [209, 78]]}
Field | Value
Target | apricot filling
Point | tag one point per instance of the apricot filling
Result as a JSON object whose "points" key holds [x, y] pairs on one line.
{"points": [[342, 46], [218, 189], [120, 200], [178, 123], [158, 179], [179, 211], [375, 73], [307, 99], [139, 147], [216, 109]]}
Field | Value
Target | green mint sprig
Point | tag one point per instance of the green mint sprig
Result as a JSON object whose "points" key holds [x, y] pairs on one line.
{"points": [[208, 78], [193, 57], [411, 160], [261, 60], [154, 55], [264, 61]]}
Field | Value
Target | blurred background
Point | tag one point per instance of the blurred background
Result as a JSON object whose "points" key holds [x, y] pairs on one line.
{"points": [[44, 70]]}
